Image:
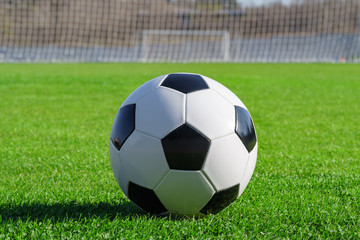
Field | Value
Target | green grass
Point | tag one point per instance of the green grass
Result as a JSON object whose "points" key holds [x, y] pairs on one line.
{"points": [[55, 175]]}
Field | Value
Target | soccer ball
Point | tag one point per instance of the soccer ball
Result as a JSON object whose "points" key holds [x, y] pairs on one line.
{"points": [[183, 144]]}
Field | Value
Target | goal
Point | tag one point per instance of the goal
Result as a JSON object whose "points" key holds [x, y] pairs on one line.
{"points": [[185, 45]]}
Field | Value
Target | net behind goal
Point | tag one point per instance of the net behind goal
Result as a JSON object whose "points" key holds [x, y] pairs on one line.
{"points": [[179, 30]]}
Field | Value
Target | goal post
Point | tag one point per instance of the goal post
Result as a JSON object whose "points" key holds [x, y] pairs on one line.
{"points": [[185, 45]]}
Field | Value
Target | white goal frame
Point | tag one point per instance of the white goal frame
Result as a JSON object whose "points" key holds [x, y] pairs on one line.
{"points": [[225, 44]]}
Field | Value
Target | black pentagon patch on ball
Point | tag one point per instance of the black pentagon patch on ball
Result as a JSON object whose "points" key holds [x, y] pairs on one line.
{"points": [[185, 148], [185, 83], [244, 128], [124, 125], [221, 200], [145, 198]]}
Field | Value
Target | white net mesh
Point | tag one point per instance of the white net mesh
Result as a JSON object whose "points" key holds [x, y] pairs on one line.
{"points": [[179, 30]]}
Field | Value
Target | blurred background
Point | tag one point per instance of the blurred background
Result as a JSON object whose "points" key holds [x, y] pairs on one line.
{"points": [[179, 30]]}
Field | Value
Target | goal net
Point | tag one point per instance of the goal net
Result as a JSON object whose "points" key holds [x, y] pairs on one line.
{"points": [[179, 30]]}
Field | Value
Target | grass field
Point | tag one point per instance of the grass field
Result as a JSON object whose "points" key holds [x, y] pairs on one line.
{"points": [[55, 175]]}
